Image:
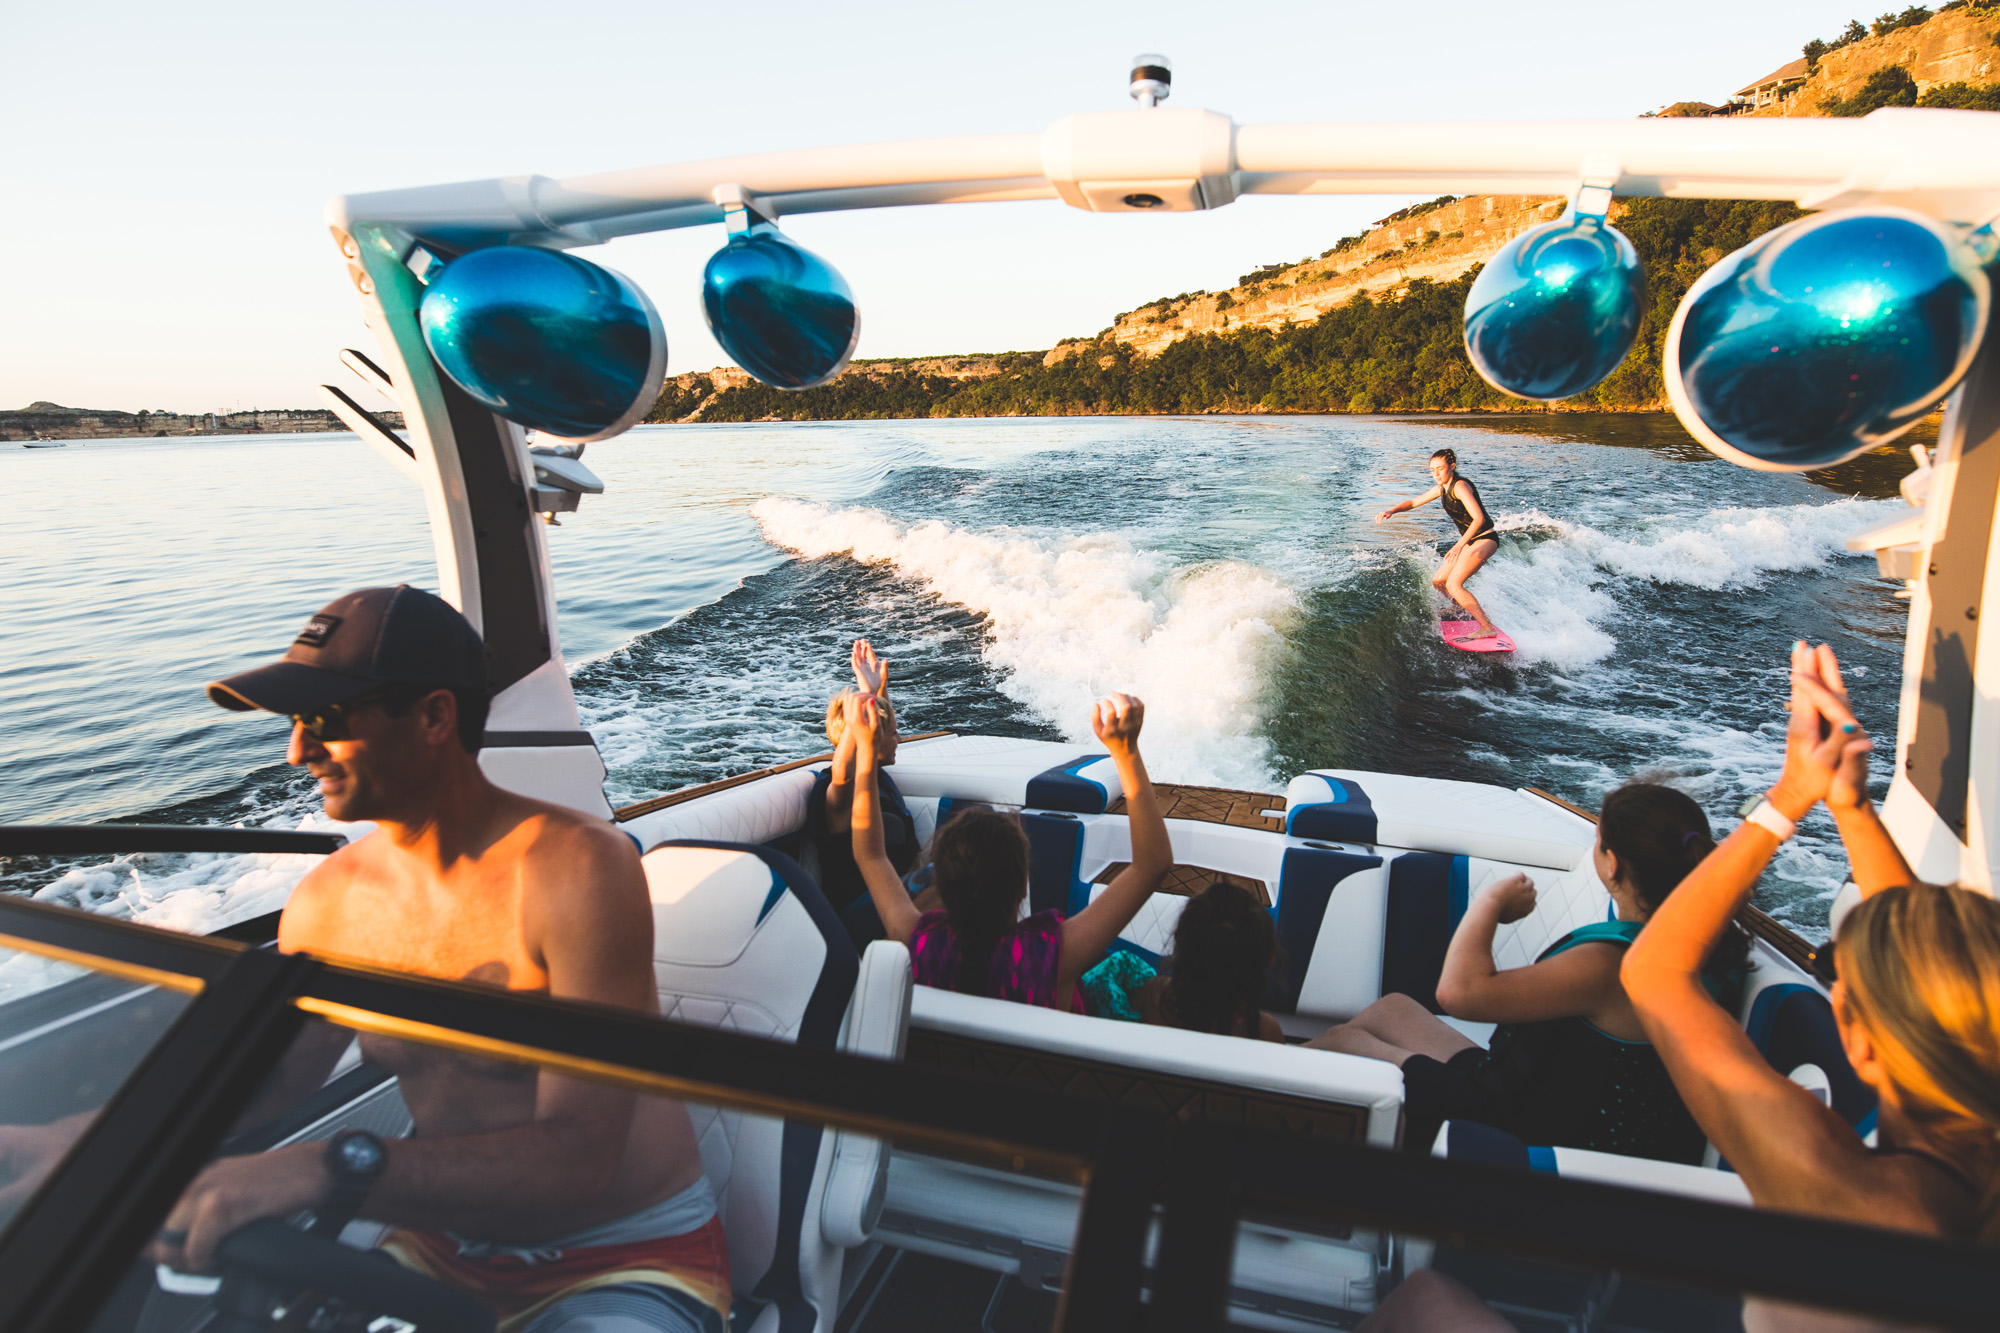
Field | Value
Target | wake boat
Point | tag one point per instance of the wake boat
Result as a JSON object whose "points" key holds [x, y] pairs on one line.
{"points": [[889, 1156]]}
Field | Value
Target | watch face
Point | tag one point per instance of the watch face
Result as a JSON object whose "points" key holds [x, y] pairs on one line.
{"points": [[361, 1153]]}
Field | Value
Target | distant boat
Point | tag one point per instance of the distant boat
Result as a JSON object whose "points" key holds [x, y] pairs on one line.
{"points": [[45, 444]]}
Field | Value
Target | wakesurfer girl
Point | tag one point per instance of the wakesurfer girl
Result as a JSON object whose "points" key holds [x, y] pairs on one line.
{"points": [[1476, 538]]}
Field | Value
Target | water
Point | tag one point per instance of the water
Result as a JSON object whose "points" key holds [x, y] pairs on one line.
{"points": [[1225, 569]]}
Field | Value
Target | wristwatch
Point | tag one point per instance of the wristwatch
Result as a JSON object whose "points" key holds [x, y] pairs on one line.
{"points": [[355, 1159]]}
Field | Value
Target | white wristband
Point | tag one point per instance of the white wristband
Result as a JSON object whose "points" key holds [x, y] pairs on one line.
{"points": [[1768, 817]]}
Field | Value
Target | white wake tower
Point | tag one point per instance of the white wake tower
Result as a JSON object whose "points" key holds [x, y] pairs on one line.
{"points": [[484, 486]]}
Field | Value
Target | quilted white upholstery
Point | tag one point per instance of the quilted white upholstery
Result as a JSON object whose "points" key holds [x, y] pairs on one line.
{"points": [[1563, 901], [735, 947], [1152, 927], [760, 811], [1461, 818], [995, 769], [1345, 975], [877, 1024]]}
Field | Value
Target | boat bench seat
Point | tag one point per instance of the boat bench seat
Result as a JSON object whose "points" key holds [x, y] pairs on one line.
{"points": [[1002, 770], [766, 810], [1436, 815], [744, 941], [1011, 1223]]}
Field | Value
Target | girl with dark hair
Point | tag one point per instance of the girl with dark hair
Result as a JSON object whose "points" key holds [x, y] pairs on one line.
{"points": [[1476, 539], [1213, 981], [979, 943], [1569, 1064]]}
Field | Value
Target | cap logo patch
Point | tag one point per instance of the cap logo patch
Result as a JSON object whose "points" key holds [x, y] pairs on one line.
{"points": [[317, 631]]}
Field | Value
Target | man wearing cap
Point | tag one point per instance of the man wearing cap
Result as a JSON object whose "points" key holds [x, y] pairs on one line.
{"points": [[565, 1204]]}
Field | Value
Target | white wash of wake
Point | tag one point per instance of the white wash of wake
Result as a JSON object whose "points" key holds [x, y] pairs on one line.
{"points": [[1555, 596], [194, 892], [1071, 619]]}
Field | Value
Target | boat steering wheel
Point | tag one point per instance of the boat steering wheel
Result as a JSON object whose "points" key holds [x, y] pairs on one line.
{"points": [[266, 1263]]}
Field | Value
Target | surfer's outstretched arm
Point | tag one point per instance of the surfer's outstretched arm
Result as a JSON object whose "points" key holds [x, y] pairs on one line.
{"points": [[1404, 506]]}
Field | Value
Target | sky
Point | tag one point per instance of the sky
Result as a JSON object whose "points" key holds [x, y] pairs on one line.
{"points": [[166, 166]]}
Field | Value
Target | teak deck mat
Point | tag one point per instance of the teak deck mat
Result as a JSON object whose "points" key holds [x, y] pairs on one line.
{"points": [[1215, 805], [1187, 881]]}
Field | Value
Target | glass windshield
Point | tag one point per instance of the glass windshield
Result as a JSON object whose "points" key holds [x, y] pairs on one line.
{"points": [[69, 1038], [530, 1196]]}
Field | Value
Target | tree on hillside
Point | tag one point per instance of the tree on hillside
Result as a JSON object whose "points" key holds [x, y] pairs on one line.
{"points": [[1889, 86], [1963, 97]]}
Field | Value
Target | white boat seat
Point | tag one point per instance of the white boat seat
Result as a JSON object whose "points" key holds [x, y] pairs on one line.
{"points": [[1791, 1024], [1468, 1141], [1007, 1222], [1001, 770], [762, 811], [743, 940], [1435, 815]]}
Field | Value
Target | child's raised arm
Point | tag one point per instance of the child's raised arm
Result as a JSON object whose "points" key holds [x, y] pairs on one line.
{"points": [[892, 901], [1089, 934]]}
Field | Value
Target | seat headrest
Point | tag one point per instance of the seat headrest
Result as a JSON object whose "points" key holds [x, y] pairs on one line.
{"points": [[1792, 1025]]}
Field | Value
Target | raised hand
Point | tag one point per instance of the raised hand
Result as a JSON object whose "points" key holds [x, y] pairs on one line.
{"points": [[864, 717], [1514, 896], [1116, 720], [1826, 750], [871, 673]]}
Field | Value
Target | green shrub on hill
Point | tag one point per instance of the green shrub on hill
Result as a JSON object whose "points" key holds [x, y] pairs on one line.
{"points": [[1397, 353], [1963, 97], [1889, 86]]}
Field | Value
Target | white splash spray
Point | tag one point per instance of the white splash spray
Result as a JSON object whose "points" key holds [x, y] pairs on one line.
{"points": [[1072, 619]]}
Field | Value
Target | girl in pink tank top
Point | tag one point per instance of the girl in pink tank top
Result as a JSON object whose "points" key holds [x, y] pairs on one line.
{"points": [[979, 944]]}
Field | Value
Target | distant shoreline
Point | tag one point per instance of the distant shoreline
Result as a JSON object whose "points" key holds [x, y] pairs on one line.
{"points": [[52, 422]]}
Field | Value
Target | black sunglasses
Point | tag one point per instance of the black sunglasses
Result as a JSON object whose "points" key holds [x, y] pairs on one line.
{"points": [[335, 721]]}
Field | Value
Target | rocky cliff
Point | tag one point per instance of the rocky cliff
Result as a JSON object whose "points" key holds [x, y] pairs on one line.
{"points": [[1956, 45]]}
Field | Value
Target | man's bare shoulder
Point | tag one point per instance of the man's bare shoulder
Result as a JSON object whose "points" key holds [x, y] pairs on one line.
{"points": [[568, 851], [314, 904]]}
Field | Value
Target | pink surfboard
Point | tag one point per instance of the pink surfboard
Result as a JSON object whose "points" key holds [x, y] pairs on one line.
{"points": [[1464, 636]]}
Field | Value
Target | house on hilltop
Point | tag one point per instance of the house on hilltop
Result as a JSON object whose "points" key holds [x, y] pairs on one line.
{"points": [[1774, 87]]}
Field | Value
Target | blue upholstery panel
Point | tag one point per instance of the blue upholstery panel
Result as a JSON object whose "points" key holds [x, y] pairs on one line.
{"points": [[1346, 816], [1306, 880], [1792, 1025], [1427, 896], [1055, 853], [1470, 1141], [1062, 788]]}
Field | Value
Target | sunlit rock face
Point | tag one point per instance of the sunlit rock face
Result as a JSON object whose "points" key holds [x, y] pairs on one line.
{"points": [[1825, 338], [547, 340], [1556, 309], [779, 310]]}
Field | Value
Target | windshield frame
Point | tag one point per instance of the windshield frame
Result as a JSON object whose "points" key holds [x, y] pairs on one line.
{"points": [[1135, 1163]]}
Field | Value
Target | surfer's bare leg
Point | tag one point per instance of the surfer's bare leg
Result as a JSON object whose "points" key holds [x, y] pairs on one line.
{"points": [[1456, 572]]}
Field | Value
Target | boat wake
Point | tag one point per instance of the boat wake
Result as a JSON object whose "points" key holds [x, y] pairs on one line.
{"points": [[1070, 619]]}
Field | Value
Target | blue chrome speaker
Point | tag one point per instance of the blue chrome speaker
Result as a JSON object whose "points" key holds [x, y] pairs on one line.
{"points": [[547, 340], [1825, 337], [1556, 310], [779, 310]]}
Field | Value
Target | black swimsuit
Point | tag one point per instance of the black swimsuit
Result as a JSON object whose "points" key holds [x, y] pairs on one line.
{"points": [[1463, 516]]}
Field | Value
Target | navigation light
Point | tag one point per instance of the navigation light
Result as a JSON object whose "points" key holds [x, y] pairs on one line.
{"points": [[1556, 310], [779, 310], [1826, 337], [549, 341]]}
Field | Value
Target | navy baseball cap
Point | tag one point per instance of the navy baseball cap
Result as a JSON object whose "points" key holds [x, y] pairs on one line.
{"points": [[377, 636]]}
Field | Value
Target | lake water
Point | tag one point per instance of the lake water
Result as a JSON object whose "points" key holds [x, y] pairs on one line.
{"points": [[1226, 569]]}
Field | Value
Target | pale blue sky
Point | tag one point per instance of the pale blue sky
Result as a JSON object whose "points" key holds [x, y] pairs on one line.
{"points": [[166, 165]]}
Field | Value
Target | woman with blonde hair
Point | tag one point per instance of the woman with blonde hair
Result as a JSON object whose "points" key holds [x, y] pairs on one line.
{"points": [[1917, 1004]]}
